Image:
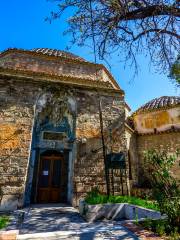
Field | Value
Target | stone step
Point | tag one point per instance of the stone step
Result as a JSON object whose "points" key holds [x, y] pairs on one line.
{"points": [[49, 235]]}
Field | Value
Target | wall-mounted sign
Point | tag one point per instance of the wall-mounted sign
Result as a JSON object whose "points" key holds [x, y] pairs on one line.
{"points": [[57, 136], [116, 160]]}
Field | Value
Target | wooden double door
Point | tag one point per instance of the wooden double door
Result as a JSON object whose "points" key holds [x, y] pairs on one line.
{"points": [[52, 179]]}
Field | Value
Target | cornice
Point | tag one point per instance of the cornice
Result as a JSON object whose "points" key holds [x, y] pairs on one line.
{"points": [[171, 130], [64, 79]]}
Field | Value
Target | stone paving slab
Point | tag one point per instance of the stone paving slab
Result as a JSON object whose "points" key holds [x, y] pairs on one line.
{"points": [[64, 222], [142, 233], [9, 235], [121, 233]]}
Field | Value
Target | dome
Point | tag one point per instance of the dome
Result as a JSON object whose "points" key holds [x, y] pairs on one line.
{"points": [[158, 103], [57, 53]]}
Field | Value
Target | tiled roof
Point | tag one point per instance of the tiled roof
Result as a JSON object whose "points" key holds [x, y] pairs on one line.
{"points": [[57, 53], [157, 103]]}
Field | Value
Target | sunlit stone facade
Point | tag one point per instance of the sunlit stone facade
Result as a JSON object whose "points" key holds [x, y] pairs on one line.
{"points": [[49, 120]]}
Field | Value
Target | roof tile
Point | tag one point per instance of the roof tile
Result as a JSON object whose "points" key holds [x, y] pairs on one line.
{"points": [[57, 53], [161, 102]]}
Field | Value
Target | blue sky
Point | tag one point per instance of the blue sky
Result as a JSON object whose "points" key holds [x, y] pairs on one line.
{"points": [[22, 25]]}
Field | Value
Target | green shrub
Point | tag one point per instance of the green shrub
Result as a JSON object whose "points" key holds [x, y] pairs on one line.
{"points": [[165, 187], [4, 220], [161, 227], [175, 235], [94, 197]]}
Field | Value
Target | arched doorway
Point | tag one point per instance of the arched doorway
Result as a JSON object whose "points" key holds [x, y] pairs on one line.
{"points": [[52, 178]]}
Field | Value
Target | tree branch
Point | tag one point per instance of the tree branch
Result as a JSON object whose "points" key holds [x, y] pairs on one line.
{"points": [[159, 31]]}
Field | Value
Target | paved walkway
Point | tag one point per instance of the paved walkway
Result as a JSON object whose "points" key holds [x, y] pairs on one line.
{"points": [[64, 222]]}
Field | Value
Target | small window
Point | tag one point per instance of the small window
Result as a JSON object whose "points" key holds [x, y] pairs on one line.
{"points": [[56, 136]]}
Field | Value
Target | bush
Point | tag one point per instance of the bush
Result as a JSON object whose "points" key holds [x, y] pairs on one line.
{"points": [[161, 227], [4, 220], [165, 187], [94, 197]]}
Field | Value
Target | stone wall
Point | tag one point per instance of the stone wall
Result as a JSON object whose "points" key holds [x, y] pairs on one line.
{"points": [[137, 144], [169, 142], [131, 139], [16, 119], [56, 66], [89, 165], [18, 100]]}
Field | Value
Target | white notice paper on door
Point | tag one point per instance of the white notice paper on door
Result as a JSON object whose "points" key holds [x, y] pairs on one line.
{"points": [[45, 173]]}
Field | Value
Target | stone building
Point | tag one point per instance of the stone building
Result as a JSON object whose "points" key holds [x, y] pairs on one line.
{"points": [[155, 125], [54, 107], [50, 135]]}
